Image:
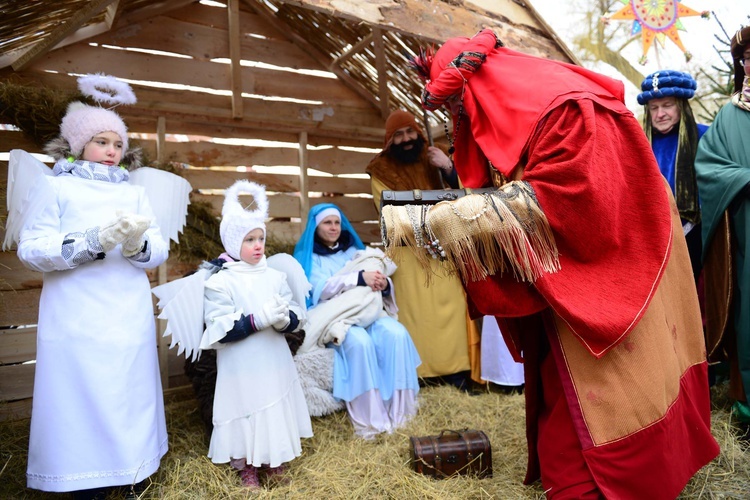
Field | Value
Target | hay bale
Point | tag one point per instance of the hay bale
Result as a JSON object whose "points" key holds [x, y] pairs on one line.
{"points": [[336, 464], [37, 111]]}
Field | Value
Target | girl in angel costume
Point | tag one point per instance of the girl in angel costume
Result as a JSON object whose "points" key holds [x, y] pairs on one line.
{"points": [[98, 415], [375, 361], [260, 412]]}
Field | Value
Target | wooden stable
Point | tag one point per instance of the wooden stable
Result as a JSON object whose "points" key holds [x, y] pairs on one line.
{"points": [[290, 94]]}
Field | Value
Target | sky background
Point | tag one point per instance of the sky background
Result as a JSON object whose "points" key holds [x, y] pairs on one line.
{"points": [[697, 39]]}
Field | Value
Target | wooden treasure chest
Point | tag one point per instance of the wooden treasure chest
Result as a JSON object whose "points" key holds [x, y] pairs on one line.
{"points": [[452, 453]]}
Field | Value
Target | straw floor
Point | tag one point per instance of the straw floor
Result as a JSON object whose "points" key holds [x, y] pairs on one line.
{"points": [[334, 464]]}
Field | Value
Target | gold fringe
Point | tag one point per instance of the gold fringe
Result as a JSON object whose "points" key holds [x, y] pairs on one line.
{"points": [[481, 234], [398, 230]]}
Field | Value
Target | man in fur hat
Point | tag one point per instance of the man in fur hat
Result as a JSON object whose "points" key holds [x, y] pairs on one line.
{"points": [[617, 402], [722, 165], [435, 315], [671, 128]]}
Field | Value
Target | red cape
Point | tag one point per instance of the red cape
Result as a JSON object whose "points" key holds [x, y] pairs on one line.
{"points": [[594, 175]]}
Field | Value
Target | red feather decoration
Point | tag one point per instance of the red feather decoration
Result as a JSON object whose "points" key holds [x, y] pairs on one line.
{"points": [[422, 62]]}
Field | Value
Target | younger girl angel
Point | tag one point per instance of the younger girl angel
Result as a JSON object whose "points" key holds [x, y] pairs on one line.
{"points": [[260, 412]]}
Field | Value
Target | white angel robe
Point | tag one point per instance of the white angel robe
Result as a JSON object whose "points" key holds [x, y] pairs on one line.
{"points": [[260, 412], [98, 411], [498, 365]]}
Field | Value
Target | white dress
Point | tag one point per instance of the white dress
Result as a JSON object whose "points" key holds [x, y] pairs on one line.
{"points": [[98, 412], [260, 412], [498, 365]]}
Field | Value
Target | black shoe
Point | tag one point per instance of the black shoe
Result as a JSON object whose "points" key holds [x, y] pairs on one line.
{"points": [[91, 494], [507, 389], [135, 491], [458, 380]]}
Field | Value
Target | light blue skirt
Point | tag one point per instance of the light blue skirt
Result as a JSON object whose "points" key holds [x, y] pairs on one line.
{"points": [[381, 356]]}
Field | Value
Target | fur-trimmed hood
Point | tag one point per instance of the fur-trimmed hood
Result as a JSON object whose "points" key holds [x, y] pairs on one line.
{"points": [[59, 148]]}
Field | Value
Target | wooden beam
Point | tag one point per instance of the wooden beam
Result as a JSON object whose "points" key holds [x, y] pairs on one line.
{"points": [[235, 66], [153, 9], [17, 346], [112, 13], [437, 21], [304, 195], [312, 51], [84, 33], [355, 86], [48, 43], [288, 32], [381, 61], [161, 140], [354, 49], [162, 343], [552, 34]]}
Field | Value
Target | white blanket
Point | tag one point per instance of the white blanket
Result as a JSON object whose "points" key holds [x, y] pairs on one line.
{"points": [[329, 320]]}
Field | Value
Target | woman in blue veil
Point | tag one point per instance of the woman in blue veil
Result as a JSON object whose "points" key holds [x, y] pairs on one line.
{"points": [[375, 368]]}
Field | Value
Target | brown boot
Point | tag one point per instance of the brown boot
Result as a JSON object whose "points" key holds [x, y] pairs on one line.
{"points": [[275, 475], [249, 477]]}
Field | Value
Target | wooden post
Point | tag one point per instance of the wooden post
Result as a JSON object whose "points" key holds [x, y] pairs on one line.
{"points": [[304, 195], [235, 49], [381, 62], [161, 325], [161, 134]]}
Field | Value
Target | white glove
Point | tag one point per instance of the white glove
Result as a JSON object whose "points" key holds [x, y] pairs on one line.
{"points": [[112, 234], [137, 224], [282, 323], [274, 312], [125, 226]]}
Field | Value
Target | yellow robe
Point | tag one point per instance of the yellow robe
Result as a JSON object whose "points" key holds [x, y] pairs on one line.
{"points": [[435, 316]]}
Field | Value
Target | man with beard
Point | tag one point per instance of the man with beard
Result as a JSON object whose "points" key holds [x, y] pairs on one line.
{"points": [[436, 314]]}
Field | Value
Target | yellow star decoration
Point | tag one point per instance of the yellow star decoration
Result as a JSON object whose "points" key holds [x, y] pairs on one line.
{"points": [[656, 20]]}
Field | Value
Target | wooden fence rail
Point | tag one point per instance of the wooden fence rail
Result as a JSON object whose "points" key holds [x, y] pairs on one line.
{"points": [[20, 288]]}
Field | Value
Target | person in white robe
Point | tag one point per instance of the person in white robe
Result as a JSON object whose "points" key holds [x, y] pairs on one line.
{"points": [[498, 365], [259, 412], [97, 413]]}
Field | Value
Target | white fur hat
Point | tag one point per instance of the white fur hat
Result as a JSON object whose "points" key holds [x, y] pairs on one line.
{"points": [[236, 221], [82, 122]]}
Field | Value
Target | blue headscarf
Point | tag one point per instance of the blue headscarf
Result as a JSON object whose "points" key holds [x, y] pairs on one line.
{"points": [[667, 83], [303, 250]]}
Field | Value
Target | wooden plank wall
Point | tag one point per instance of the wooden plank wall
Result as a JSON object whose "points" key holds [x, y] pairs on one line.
{"points": [[20, 288], [332, 128]]}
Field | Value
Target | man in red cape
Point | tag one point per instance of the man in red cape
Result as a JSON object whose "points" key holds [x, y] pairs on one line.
{"points": [[616, 387]]}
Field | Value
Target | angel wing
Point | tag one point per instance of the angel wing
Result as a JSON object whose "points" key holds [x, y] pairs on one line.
{"points": [[181, 304], [28, 193], [295, 276], [169, 196]]}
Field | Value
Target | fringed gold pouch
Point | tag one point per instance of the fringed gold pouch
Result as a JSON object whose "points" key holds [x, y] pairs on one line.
{"points": [[478, 234]]}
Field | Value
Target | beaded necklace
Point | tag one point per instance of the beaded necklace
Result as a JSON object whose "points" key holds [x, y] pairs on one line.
{"points": [[452, 139]]}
